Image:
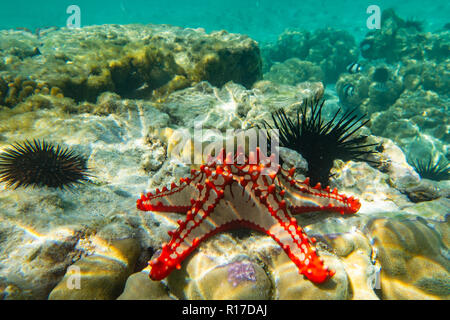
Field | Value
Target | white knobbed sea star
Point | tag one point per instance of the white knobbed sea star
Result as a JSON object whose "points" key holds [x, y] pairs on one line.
{"points": [[224, 194]]}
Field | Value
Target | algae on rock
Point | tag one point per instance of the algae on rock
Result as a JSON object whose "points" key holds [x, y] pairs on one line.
{"points": [[131, 60]]}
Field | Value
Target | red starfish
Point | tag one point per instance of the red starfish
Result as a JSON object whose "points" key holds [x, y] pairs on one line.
{"points": [[224, 195]]}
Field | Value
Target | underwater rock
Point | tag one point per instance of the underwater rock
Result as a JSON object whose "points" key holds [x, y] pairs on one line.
{"points": [[426, 190], [355, 252], [290, 285], [59, 122], [140, 287], [220, 283], [379, 86], [171, 171], [333, 50], [20, 46], [417, 122], [444, 229], [216, 272], [398, 39], [155, 157], [371, 186], [110, 103], [31, 273], [130, 60], [209, 107], [426, 75], [14, 90], [411, 255], [374, 89], [293, 71], [290, 44], [218, 110], [434, 209], [152, 161], [292, 159], [401, 174], [272, 96], [102, 275]]}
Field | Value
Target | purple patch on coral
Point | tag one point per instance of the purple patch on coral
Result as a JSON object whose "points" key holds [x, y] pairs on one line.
{"points": [[241, 271]]}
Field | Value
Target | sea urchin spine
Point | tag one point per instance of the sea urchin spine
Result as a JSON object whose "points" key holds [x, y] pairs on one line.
{"points": [[429, 169]]}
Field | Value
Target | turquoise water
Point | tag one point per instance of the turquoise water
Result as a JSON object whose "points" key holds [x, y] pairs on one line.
{"points": [[260, 19]]}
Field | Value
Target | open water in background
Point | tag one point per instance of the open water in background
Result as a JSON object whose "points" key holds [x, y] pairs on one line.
{"points": [[263, 20]]}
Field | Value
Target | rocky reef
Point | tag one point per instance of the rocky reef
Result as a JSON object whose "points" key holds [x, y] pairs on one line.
{"points": [[330, 49], [131, 60], [293, 71], [400, 39], [403, 86]]}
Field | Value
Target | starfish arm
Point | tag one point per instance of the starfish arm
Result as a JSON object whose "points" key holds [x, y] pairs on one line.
{"points": [[304, 198], [177, 198], [196, 227], [283, 228]]}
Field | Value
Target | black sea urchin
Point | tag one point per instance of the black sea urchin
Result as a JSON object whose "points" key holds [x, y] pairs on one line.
{"points": [[41, 164], [381, 75], [414, 23], [428, 169], [320, 142]]}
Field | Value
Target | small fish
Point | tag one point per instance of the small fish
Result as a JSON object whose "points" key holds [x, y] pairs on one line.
{"points": [[36, 52], [349, 90], [354, 67]]}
